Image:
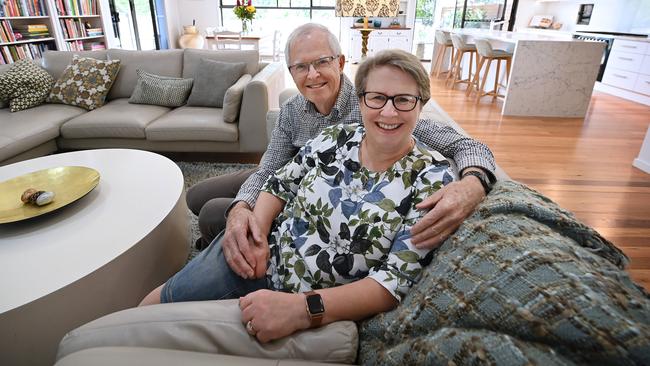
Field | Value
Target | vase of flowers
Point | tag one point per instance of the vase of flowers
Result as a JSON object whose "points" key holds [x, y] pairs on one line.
{"points": [[246, 13]]}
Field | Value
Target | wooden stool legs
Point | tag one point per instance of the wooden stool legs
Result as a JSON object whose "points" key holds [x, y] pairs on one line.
{"points": [[456, 72], [440, 58], [480, 84]]}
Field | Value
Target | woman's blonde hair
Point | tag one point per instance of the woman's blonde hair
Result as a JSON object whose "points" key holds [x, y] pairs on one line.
{"points": [[404, 61]]}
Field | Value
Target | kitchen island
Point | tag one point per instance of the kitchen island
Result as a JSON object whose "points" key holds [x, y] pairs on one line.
{"points": [[550, 76]]}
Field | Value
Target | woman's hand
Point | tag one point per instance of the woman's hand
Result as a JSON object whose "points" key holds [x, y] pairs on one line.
{"points": [[449, 207], [274, 314]]}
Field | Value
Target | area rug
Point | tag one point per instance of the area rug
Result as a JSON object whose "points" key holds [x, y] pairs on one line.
{"points": [[194, 172]]}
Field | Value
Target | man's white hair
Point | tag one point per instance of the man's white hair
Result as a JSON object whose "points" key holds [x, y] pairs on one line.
{"points": [[309, 28]]}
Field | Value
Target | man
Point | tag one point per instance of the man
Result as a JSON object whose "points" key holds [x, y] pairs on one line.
{"points": [[327, 97]]}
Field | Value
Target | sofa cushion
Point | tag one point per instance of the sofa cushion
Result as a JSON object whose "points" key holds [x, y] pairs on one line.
{"points": [[117, 118], [192, 124], [27, 129], [55, 62], [85, 83], [25, 85], [211, 80], [232, 99], [163, 63], [212, 327], [141, 356], [160, 90], [192, 57]]}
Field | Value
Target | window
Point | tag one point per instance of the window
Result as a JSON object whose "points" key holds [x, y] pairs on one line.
{"points": [[280, 15]]}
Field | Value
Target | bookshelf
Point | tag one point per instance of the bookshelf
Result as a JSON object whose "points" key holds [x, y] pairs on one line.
{"points": [[30, 27], [80, 23], [25, 30]]}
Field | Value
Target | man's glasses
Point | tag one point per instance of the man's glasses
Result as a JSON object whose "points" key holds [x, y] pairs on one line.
{"points": [[401, 102], [303, 67]]}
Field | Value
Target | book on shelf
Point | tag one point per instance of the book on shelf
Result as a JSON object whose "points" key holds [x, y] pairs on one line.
{"points": [[6, 32], [79, 45], [13, 53], [22, 8], [75, 28], [31, 31], [76, 7]]}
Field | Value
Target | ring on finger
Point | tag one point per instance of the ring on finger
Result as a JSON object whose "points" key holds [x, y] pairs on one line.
{"points": [[250, 329], [434, 231]]}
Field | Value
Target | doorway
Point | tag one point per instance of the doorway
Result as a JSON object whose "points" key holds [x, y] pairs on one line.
{"points": [[424, 29], [139, 24]]}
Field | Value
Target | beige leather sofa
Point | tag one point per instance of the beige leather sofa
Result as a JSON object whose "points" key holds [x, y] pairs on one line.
{"points": [[47, 128]]}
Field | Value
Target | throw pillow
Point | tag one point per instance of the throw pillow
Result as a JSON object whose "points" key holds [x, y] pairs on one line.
{"points": [[211, 80], [160, 90], [25, 85], [85, 83], [232, 99]]}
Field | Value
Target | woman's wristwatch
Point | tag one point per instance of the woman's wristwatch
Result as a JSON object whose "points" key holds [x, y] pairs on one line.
{"points": [[315, 308], [482, 177]]}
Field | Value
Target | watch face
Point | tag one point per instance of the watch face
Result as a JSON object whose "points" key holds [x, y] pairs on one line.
{"points": [[315, 304]]}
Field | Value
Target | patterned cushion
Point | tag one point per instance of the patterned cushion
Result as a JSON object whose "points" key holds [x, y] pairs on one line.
{"points": [[160, 90], [25, 85], [85, 83]]}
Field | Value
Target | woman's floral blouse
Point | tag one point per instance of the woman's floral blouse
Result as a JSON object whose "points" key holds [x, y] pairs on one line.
{"points": [[342, 222]]}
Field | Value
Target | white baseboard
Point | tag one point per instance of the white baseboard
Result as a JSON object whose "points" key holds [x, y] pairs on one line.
{"points": [[625, 94], [643, 165]]}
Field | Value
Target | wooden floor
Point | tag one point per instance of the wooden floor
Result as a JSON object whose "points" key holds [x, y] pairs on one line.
{"points": [[583, 165]]}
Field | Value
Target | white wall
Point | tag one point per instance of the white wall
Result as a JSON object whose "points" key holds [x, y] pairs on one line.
{"points": [[608, 15], [205, 12]]}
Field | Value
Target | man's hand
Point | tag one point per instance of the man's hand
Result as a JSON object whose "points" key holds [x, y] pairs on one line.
{"points": [[237, 246], [449, 207], [274, 314], [261, 253]]}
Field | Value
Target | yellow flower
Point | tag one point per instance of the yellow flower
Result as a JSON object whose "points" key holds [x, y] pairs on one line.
{"points": [[250, 9]]}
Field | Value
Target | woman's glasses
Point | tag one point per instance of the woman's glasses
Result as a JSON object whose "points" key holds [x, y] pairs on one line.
{"points": [[401, 102], [302, 68]]}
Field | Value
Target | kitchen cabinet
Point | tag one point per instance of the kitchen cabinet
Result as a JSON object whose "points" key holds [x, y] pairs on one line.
{"points": [[628, 66], [380, 39]]}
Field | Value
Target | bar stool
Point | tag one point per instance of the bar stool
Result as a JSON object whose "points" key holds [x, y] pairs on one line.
{"points": [[487, 53], [444, 42], [461, 49]]}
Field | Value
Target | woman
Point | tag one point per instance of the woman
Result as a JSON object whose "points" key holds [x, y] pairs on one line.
{"points": [[338, 217]]}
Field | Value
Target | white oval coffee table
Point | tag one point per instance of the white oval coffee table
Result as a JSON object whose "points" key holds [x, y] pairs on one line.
{"points": [[100, 254]]}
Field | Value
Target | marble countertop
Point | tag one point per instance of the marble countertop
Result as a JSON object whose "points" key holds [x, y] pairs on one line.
{"points": [[513, 37]]}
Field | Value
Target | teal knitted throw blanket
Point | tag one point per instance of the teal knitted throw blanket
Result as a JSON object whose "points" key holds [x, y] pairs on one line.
{"points": [[521, 282]]}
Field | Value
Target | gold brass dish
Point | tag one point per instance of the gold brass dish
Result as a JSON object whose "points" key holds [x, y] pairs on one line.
{"points": [[69, 183]]}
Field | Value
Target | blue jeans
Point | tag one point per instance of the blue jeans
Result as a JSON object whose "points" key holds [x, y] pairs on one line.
{"points": [[209, 277]]}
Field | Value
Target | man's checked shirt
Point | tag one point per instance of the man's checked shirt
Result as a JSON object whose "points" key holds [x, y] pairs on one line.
{"points": [[299, 122]]}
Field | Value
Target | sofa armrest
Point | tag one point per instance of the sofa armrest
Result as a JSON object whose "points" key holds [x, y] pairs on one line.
{"points": [[273, 113], [260, 95]]}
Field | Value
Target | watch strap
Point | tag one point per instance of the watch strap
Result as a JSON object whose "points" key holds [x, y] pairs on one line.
{"points": [[316, 317], [482, 177]]}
